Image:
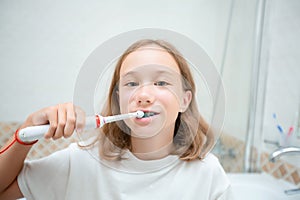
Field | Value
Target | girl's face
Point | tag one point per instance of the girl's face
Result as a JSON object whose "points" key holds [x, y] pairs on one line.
{"points": [[150, 81]]}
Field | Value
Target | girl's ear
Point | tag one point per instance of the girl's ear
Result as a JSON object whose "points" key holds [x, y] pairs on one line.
{"points": [[186, 100]]}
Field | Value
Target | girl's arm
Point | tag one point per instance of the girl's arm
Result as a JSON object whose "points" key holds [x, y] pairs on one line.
{"points": [[63, 120], [11, 163]]}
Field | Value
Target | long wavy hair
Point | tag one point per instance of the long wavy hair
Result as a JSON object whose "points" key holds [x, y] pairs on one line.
{"points": [[192, 138]]}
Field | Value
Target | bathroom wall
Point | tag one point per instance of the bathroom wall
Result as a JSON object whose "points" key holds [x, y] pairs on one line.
{"points": [[238, 65], [231, 150], [44, 43], [282, 56], [278, 92]]}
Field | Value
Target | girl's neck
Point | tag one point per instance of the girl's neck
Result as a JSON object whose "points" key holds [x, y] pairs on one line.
{"points": [[151, 148]]}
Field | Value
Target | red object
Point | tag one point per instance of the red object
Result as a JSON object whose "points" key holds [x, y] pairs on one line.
{"points": [[97, 121], [21, 142], [17, 139]]}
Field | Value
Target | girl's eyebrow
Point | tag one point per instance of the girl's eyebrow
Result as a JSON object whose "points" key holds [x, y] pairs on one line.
{"points": [[129, 73], [159, 72]]}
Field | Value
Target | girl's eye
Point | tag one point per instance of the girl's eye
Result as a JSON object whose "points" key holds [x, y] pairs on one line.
{"points": [[161, 83], [131, 84]]}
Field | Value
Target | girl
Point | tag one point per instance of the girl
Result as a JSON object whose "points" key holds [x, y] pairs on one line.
{"points": [[162, 156]]}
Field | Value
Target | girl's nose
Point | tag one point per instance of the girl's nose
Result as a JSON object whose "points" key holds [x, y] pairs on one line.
{"points": [[144, 96]]}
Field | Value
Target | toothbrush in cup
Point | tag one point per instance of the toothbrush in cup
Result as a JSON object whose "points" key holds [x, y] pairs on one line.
{"points": [[33, 133], [278, 126]]}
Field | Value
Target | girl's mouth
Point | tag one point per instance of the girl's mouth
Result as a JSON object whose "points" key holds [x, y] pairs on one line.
{"points": [[147, 118], [149, 114]]}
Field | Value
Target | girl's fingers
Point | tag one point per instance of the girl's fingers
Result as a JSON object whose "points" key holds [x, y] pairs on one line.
{"points": [[80, 119], [62, 118], [71, 120], [61, 121], [51, 114]]}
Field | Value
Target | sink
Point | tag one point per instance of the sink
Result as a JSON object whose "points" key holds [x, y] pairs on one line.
{"points": [[249, 186]]}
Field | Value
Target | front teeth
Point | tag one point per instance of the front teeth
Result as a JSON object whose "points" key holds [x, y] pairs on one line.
{"points": [[148, 114]]}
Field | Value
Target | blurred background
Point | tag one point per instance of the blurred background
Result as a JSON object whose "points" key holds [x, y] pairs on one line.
{"points": [[254, 44]]}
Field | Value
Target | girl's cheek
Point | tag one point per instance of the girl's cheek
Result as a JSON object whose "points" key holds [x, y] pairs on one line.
{"points": [[170, 96], [125, 98]]}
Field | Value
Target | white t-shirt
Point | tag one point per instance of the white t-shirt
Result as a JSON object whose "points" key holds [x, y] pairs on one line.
{"points": [[75, 173]]}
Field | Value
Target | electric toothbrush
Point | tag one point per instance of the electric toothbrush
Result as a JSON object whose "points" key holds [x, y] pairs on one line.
{"points": [[33, 133]]}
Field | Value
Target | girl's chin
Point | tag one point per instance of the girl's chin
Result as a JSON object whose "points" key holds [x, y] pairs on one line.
{"points": [[145, 131]]}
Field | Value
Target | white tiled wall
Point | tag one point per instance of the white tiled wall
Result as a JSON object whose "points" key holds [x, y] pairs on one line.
{"points": [[283, 81]]}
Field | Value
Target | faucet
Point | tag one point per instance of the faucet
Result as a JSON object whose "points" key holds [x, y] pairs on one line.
{"points": [[283, 150]]}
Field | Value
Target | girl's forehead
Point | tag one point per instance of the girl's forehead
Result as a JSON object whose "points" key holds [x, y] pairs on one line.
{"points": [[150, 55], [151, 71]]}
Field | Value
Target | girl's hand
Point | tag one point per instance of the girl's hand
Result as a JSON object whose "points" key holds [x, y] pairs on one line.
{"points": [[63, 119]]}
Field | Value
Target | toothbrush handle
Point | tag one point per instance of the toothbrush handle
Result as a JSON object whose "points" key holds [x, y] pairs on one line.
{"points": [[32, 133]]}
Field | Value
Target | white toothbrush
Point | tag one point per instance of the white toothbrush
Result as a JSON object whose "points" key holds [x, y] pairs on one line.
{"points": [[32, 133]]}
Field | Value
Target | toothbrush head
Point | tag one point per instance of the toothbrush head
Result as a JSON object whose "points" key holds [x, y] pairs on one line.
{"points": [[139, 114]]}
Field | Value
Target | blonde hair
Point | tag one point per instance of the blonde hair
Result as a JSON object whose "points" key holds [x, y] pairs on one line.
{"points": [[192, 139]]}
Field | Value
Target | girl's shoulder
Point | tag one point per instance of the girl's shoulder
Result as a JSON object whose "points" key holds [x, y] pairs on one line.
{"points": [[209, 164], [209, 160], [209, 168]]}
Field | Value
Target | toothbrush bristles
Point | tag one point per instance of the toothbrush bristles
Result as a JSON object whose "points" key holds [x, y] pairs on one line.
{"points": [[140, 114]]}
